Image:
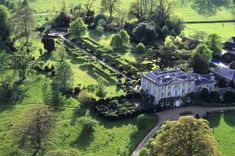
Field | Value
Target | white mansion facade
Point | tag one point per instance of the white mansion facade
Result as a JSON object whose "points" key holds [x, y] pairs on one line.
{"points": [[174, 84]]}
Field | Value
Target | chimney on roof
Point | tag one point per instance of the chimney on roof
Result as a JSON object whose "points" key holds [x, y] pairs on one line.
{"points": [[159, 79], [199, 78], [213, 78], [190, 70]]}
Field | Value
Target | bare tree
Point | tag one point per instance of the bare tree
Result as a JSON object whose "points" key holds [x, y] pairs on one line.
{"points": [[22, 22], [111, 6], [89, 5], [163, 11]]}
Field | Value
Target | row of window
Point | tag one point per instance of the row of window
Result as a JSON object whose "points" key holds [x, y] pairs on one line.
{"points": [[177, 93]]}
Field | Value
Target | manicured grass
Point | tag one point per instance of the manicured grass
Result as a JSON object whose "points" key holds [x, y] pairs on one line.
{"points": [[217, 11], [105, 40], [225, 30], [56, 5], [224, 132]]}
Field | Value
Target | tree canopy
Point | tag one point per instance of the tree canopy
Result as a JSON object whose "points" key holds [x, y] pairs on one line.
{"points": [[214, 43], [185, 137], [22, 21], [4, 15], [111, 6], [204, 51], [77, 28]]}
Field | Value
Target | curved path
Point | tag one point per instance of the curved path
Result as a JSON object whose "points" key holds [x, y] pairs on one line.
{"points": [[174, 115]]}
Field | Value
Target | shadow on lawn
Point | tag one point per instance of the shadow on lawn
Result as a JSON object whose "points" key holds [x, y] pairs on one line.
{"points": [[209, 8], [97, 74], [108, 124], [83, 140], [229, 118], [214, 120]]}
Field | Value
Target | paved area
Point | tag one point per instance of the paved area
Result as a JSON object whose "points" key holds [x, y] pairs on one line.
{"points": [[174, 115]]}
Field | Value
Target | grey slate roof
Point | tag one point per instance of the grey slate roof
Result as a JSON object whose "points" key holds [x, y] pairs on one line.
{"points": [[176, 76], [226, 73]]}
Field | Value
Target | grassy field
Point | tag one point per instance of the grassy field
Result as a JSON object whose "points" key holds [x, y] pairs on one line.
{"points": [[195, 10], [56, 5], [213, 10], [225, 30], [224, 131]]}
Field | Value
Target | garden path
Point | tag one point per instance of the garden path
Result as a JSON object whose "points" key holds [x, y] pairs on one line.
{"points": [[174, 115]]}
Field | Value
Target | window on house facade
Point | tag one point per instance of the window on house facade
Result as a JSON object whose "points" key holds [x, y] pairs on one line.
{"points": [[169, 93], [162, 95], [183, 91]]}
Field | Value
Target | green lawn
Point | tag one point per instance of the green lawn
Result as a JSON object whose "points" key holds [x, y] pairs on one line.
{"points": [[225, 30], [193, 10], [224, 131], [56, 5]]}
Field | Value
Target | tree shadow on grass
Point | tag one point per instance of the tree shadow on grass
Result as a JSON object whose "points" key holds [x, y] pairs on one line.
{"points": [[83, 140], [109, 124], [94, 73], [229, 118], [209, 7], [214, 119]]}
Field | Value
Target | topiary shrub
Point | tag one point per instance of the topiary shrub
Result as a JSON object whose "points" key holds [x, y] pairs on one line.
{"points": [[100, 17], [145, 32], [49, 44], [140, 48]]}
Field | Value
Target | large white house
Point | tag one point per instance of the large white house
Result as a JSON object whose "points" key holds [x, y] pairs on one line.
{"points": [[174, 84]]}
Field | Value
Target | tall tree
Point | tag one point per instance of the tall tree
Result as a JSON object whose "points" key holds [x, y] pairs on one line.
{"points": [[204, 51], [185, 137], [89, 5], [111, 6], [4, 15], [77, 28], [64, 75], [22, 21], [200, 64], [32, 130], [214, 43], [21, 61], [60, 50], [141, 9], [163, 11]]}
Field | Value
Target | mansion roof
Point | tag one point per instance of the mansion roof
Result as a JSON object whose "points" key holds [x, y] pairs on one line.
{"points": [[168, 77]]}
